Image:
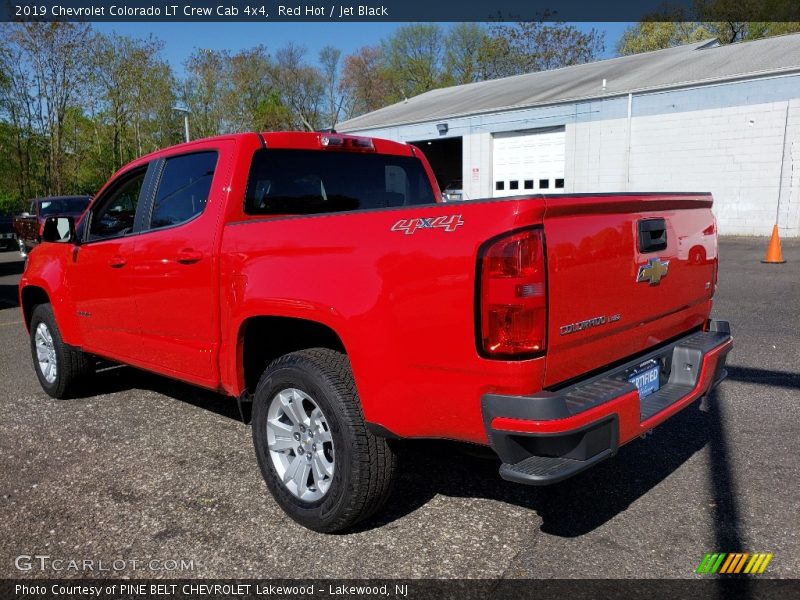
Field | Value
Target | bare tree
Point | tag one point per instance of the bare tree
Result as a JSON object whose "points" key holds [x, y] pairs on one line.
{"points": [[334, 93], [301, 86]]}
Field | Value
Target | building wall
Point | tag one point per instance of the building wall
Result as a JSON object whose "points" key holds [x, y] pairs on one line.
{"points": [[738, 140], [736, 153]]}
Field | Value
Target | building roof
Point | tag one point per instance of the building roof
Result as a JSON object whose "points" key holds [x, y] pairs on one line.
{"points": [[691, 64]]}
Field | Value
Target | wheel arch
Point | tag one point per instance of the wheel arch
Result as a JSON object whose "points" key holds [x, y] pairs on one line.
{"points": [[30, 297], [262, 339]]}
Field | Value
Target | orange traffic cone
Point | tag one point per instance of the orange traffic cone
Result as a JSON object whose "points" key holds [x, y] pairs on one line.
{"points": [[774, 255]]}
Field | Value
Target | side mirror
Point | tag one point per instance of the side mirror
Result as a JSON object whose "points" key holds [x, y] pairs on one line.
{"points": [[59, 230]]}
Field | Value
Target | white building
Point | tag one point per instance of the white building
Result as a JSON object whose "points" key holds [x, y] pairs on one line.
{"points": [[700, 117]]}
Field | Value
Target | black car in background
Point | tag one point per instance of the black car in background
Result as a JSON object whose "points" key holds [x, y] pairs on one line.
{"points": [[8, 237]]}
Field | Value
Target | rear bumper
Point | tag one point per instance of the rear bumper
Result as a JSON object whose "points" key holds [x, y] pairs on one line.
{"points": [[550, 436]]}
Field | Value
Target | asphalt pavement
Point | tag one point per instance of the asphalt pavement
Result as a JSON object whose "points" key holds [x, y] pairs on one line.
{"points": [[147, 469]]}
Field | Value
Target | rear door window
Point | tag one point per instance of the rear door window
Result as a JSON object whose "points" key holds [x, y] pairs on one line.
{"points": [[318, 181], [183, 188]]}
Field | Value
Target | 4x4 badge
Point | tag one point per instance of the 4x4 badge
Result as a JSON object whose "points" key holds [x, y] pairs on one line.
{"points": [[653, 271], [446, 222]]}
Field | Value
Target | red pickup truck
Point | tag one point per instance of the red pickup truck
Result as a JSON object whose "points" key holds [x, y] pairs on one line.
{"points": [[320, 277]]}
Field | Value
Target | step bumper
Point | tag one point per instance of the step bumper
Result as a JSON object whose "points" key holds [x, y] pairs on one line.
{"points": [[550, 436]]}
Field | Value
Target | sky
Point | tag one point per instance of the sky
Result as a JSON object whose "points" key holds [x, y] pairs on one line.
{"points": [[181, 39]]}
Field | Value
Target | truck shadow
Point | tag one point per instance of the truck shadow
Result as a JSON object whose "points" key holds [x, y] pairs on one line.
{"points": [[583, 503], [12, 267], [9, 296], [111, 378], [9, 293], [569, 509]]}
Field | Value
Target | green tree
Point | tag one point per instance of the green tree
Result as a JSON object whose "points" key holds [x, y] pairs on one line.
{"points": [[133, 91], [249, 101], [204, 89], [728, 21], [45, 70], [413, 58], [464, 44]]}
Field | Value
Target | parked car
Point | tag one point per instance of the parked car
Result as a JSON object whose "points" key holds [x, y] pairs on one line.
{"points": [[321, 278], [8, 237], [454, 190], [29, 224]]}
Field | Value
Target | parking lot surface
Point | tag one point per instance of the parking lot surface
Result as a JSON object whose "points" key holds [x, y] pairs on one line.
{"points": [[144, 468]]}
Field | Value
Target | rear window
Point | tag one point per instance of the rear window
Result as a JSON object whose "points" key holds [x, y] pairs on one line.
{"points": [[183, 189], [319, 181]]}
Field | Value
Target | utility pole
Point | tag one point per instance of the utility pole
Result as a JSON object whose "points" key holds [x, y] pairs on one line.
{"points": [[185, 112]]}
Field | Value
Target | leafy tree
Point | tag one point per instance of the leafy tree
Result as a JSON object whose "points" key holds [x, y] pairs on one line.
{"points": [[249, 102], [203, 92], [464, 44], [413, 58], [45, 68], [726, 20], [133, 89], [365, 81], [58, 62]]}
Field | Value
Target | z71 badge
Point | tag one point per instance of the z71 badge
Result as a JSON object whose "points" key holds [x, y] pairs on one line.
{"points": [[410, 226]]}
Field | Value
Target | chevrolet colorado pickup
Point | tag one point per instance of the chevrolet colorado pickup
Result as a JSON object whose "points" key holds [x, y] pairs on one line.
{"points": [[320, 277]]}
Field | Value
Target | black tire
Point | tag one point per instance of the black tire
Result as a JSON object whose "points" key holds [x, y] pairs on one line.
{"points": [[72, 365], [364, 464]]}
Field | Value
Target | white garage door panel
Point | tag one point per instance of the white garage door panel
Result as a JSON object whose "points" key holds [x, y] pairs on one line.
{"points": [[528, 162]]}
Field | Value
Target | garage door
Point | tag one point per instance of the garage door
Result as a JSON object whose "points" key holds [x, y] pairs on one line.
{"points": [[528, 162]]}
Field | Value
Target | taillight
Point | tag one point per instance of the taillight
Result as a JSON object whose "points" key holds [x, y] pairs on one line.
{"points": [[512, 295]]}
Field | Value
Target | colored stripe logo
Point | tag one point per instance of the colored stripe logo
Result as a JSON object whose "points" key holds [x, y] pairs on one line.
{"points": [[733, 563]]}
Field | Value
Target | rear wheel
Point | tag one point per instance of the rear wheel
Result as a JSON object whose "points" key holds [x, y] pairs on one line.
{"points": [[321, 464], [59, 367]]}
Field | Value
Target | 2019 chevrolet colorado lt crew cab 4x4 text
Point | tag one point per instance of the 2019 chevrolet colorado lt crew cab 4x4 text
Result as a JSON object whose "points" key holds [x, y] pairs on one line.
{"points": [[321, 277]]}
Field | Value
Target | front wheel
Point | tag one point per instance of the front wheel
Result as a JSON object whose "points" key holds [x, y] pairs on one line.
{"points": [[59, 367], [321, 464]]}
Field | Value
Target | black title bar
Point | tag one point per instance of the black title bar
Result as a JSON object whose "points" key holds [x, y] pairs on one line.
{"points": [[387, 10]]}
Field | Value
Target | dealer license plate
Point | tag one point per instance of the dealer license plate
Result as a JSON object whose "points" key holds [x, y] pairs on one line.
{"points": [[6, 236], [646, 378]]}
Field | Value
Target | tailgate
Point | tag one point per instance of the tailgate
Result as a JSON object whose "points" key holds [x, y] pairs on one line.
{"points": [[615, 286]]}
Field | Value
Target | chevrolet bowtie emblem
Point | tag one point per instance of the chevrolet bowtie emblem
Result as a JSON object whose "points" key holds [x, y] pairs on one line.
{"points": [[653, 271]]}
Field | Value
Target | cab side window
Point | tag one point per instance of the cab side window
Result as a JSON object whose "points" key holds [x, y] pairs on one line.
{"points": [[183, 188], [114, 214]]}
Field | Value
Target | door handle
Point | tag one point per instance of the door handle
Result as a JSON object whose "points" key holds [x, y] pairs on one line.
{"points": [[117, 262], [188, 256], [652, 235]]}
